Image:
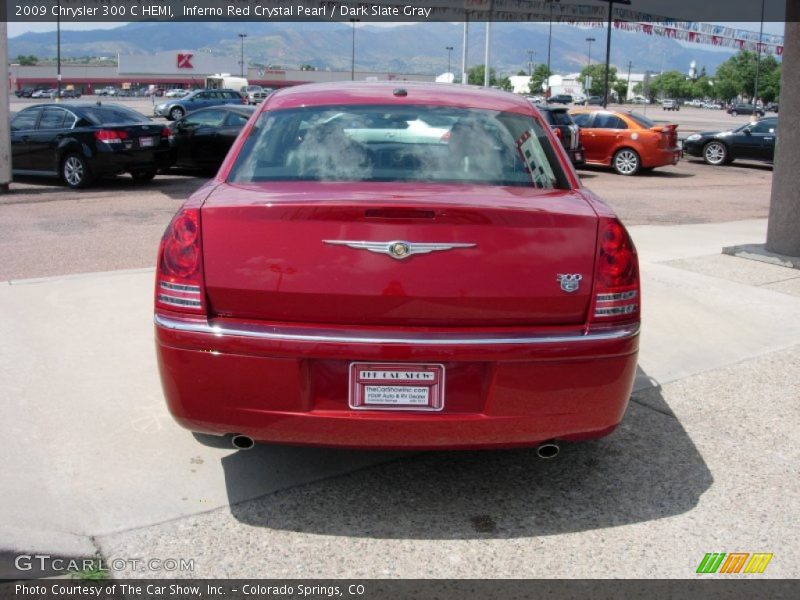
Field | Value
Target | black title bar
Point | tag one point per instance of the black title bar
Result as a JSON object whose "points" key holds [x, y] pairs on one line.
{"points": [[72, 11]]}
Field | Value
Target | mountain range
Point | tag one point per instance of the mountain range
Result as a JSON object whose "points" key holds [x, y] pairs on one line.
{"points": [[411, 48]]}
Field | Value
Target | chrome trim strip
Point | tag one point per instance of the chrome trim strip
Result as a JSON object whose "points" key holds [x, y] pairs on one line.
{"points": [[615, 297], [180, 287], [177, 301], [624, 309], [297, 334]]}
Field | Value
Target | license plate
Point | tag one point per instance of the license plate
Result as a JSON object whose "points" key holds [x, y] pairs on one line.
{"points": [[146, 142], [396, 386]]}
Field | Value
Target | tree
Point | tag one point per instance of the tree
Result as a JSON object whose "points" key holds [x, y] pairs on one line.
{"points": [[27, 61], [771, 85], [621, 89], [598, 74], [541, 74], [737, 76], [521, 72], [672, 84], [703, 87], [504, 83], [476, 74]]}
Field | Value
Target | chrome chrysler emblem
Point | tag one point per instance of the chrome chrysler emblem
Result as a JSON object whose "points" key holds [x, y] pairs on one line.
{"points": [[397, 249], [570, 282]]}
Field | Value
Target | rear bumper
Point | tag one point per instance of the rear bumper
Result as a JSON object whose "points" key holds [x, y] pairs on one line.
{"points": [[123, 161], [290, 384], [662, 157]]}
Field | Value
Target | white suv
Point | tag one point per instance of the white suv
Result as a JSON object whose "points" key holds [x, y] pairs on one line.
{"points": [[670, 105]]}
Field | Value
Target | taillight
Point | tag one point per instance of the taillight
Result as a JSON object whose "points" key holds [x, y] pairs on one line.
{"points": [[616, 281], [110, 136], [557, 132], [166, 132], [179, 279]]}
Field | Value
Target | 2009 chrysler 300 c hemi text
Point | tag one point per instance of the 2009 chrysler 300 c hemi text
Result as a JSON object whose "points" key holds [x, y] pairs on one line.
{"points": [[386, 267]]}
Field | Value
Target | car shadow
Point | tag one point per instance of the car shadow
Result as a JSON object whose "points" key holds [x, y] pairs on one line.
{"points": [[589, 171], [175, 184], [665, 173], [647, 469], [738, 163]]}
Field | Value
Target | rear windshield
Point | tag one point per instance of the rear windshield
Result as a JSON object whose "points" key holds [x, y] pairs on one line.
{"points": [[391, 143], [106, 115], [561, 117], [641, 120]]}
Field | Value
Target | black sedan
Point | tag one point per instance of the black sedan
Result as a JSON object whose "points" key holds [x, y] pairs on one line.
{"points": [[560, 99], [79, 142], [755, 141], [201, 139], [745, 109]]}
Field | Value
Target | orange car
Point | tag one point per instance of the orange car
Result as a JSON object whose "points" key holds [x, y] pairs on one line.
{"points": [[626, 141]]}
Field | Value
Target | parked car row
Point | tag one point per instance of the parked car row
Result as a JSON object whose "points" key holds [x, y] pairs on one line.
{"points": [[45, 136], [81, 142]]}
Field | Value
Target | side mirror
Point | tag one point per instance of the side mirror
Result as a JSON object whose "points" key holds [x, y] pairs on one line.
{"points": [[747, 131]]}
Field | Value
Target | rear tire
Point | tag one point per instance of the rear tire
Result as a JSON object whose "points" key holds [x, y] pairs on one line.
{"points": [[627, 162], [715, 153], [75, 171], [176, 113]]}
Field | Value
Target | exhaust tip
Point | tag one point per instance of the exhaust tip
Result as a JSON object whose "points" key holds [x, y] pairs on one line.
{"points": [[548, 450], [242, 442]]}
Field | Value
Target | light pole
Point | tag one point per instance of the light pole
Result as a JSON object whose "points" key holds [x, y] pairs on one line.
{"points": [[58, 53], [464, 48], [608, 46], [588, 77], [549, 45], [531, 57], [353, 52], [628, 86], [758, 62], [241, 61], [449, 53]]}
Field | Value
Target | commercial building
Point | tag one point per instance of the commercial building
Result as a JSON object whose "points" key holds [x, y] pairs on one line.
{"points": [[184, 69]]}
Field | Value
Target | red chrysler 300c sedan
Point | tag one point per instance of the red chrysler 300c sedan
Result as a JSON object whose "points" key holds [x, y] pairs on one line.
{"points": [[385, 267]]}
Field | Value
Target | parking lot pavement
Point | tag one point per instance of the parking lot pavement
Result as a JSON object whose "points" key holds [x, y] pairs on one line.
{"points": [[703, 462], [693, 469], [46, 229]]}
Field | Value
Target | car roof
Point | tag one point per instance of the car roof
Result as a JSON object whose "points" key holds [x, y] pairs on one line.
{"points": [[437, 94], [80, 104], [240, 108]]}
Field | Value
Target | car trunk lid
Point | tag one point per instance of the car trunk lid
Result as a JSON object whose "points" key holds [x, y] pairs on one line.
{"points": [[298, 252], [669, 135]]}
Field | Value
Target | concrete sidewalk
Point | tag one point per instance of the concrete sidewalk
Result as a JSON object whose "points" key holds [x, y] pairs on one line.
{"points": [[705, 460]]}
